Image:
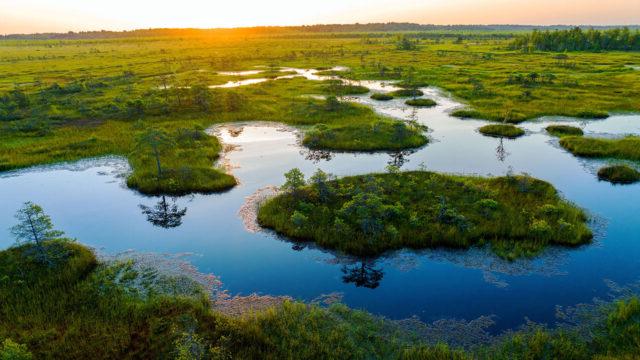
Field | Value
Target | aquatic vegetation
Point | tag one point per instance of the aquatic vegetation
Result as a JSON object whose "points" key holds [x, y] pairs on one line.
{"points": [[420, 102], [407, 93], [381, 97], [502, 130], [627, 148], [564, 130], [619, 174], [367, 215]]}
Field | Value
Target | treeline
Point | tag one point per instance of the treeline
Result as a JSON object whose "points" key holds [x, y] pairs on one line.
{"points": [[276, 30], [577, 39]]}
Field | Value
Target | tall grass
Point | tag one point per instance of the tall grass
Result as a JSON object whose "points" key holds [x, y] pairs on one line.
{"points": [[625, 148]]}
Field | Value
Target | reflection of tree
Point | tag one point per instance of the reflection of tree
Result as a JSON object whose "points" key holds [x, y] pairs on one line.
{"points": [[317, 155], [163, 214], [399, 158], [363, 275], [501, 152]]}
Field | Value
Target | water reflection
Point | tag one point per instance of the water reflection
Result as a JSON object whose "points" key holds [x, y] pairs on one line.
{"points": [[364, 274], [316, 156], [501, 152], [399, 158], [163, 214]]}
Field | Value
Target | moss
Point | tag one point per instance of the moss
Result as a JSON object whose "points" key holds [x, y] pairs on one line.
{"points": [[627, 148], [421, 102], [407, 93], [370, 214], [381, 97], [500, 130], [619, 174], [564, 130]]}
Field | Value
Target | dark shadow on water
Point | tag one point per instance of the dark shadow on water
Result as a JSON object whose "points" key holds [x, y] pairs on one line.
{"points": [[365, 274], [163, 214]]}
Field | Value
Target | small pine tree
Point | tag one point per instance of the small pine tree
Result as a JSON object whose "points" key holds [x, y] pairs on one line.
{"points": [[35, 227]]}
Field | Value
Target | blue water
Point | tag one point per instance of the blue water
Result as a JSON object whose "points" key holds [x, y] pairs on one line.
{"points": [[89, 201]]}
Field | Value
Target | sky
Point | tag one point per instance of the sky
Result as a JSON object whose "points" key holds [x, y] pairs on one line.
{"points": [[29, 16]]}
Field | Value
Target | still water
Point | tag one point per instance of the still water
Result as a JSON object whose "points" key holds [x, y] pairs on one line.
{"points": [[88, 199]]}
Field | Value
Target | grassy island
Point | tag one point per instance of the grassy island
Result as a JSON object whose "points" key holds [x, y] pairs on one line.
{"points": [[502, 130], [382, 97], [619, 174], [627, 148], [407, 93], [564, 130], [421, 102], [367, 215]]}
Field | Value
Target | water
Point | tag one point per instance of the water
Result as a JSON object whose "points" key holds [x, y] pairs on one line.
{"points": [[89, 201]]}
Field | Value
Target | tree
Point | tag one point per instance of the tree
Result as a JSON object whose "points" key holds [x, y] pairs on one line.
{"points": [[35, 227], [157, 141], [294, 180], [320, 181], [164, 215]]}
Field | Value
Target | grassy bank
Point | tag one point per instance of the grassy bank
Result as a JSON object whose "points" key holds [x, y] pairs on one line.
{"points": [[564, 130], [627, 148], [370, 214], [83, 308], [619, 174], [508, 131]]}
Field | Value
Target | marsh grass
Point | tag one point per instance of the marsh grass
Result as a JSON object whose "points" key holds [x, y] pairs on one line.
{"points": [[381, 97], [564, 130], [619, 174], [407, 93], [502, 130], [85, 308], [627, 148], [421, 102], [370, 214]]}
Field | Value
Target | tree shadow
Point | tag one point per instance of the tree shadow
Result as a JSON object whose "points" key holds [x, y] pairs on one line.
{"points": [[163, 214]]}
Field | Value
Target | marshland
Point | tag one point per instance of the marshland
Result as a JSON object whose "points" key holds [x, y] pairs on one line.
{"points": [[400, 209]]}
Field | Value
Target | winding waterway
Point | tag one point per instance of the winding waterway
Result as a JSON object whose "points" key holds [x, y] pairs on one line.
{"points": [[89, 200]]}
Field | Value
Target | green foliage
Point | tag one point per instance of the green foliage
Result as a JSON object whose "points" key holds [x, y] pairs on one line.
{"points": [[421, 102], [619, 174], [177, 164], [370, 214], [381, 97], [10, 350], [564, 130], [627, 148], [502, 130], [82, 308], [407, 93]]}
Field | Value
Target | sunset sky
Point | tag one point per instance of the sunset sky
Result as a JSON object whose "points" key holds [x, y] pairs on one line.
{"points": [[27, 16]]}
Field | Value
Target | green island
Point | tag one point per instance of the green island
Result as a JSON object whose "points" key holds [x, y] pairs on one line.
{"points": [[502, 130], [407, 93], [619, 174], [368, 215], [564, 130], [626, 148], [381, 97], [60, 301], [421, 102]]}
